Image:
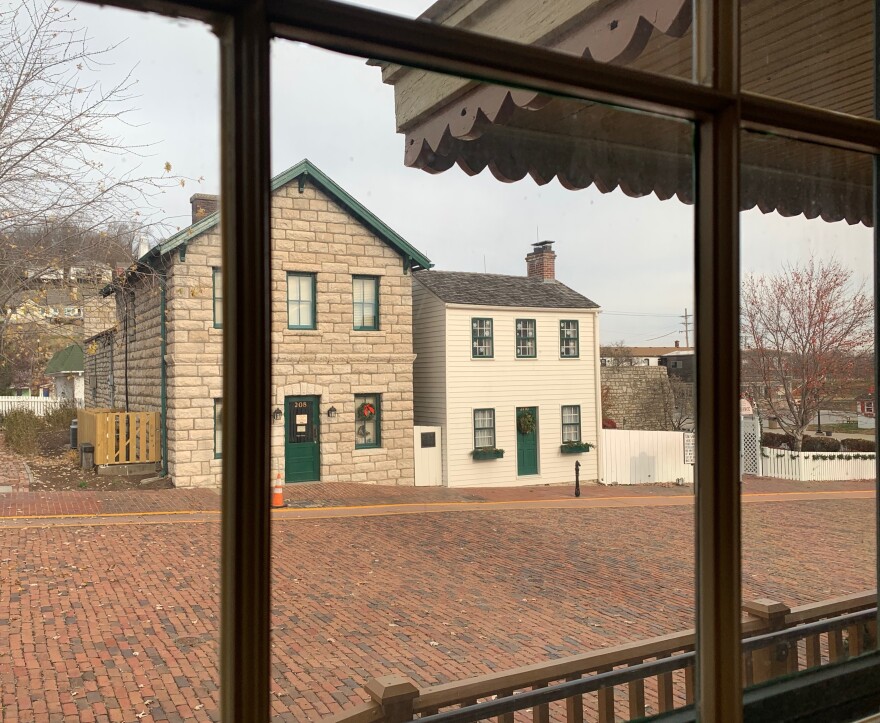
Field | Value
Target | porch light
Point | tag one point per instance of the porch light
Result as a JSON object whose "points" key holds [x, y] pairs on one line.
{"points": [[276, 415], [331, 412]]}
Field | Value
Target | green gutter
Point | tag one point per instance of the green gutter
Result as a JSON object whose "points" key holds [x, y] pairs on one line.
{"points": [[305, 170], [163, 389]]}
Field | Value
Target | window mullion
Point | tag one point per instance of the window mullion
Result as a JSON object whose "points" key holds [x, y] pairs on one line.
{"points": [[245, 544], [719, 661]]}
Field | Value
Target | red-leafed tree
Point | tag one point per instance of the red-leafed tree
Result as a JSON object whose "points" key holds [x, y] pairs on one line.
{"points": [[807, 332]]}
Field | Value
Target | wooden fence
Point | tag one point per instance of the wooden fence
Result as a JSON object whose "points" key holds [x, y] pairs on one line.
{"points": [[778, 640], [38, 405], [641, 457], [817, 466], [120, 437]]}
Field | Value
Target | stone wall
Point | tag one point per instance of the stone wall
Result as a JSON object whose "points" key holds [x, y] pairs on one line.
{"points": [[138, 366], [310, 233], [99, 314], [98, 368], [637, 397]]}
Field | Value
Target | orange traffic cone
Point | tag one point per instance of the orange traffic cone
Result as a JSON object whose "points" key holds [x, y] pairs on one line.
{"points": [[278, 494]]}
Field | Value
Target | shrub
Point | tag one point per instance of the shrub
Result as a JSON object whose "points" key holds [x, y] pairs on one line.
{"points": [[777, 440], [820, 444], [854, 444], [609, 424], [23, 429], [61, 416]]}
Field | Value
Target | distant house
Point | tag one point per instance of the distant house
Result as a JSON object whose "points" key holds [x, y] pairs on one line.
{"points": [[507, 363], [642, 356], [342, 395], [66, 370], [866, 409]]}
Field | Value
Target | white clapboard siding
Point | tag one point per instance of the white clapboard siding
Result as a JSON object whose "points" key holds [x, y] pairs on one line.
{"points": [[804, 466], [642, 457], [38, 405]]}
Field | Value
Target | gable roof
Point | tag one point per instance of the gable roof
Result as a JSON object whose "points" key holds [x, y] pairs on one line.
{"points": [[69, 359], [462, 287], [305, 171]]}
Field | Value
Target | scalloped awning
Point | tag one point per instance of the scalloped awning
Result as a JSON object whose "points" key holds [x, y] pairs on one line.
{"points": [[516, 133]]}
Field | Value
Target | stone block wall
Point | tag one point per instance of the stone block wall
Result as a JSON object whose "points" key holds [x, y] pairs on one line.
{"points": [[637, 397], [99, 314], [138, 366], [311, 234], [98, 367]]}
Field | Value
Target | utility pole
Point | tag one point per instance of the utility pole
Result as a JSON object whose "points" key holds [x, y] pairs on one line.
{"points": [[687, 328]]}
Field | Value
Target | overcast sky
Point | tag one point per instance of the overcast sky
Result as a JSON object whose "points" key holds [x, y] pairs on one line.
{"points": [[631, 256]]}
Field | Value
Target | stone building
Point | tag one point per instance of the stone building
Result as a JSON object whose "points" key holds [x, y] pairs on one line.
{"points": [[638, 397], [342, 393]]}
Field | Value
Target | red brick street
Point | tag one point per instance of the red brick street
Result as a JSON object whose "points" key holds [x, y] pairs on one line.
{"points": [[115, 618]]}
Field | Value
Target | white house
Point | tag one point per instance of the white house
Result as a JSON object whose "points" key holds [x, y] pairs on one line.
{"points": [[66, 370], [508, 368]]}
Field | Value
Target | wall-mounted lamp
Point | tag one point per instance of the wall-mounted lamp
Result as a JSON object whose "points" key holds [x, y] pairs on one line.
{"points": [[276, 415], [331, 412]]}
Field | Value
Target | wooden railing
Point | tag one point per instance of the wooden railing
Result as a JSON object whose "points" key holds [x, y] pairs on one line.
{"points": [[120, 437], [777, 640]]}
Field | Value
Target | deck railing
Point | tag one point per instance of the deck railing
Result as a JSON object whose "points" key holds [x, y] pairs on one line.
{"points": [[120, 437], [658, 672]]}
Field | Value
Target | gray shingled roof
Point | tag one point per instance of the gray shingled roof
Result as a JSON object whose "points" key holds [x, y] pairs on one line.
{"points": [[460, 287]]}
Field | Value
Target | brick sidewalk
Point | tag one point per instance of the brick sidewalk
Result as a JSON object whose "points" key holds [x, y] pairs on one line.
{"points": [[108, 623], [82, 502]]}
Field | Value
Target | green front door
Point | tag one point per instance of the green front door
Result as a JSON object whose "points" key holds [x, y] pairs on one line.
{"points": [[302, 445], [527, 444]]}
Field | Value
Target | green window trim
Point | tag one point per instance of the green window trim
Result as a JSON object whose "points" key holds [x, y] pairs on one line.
{"points": [[218, 428], [484, 428], [571, 423], [569, 341], [217, 295], [301, 302], [482, 340], [362, 427], [360, 308], [526, 338]]}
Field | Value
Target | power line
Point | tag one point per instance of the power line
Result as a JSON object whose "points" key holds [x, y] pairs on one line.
{"points": [[639, 313]]}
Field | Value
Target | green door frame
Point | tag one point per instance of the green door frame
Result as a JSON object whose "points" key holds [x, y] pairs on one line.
{"points": [[302, 459], [526, 445]]}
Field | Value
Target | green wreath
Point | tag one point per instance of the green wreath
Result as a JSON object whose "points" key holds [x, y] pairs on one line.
{"points": [[525, 423], [366, 411]]}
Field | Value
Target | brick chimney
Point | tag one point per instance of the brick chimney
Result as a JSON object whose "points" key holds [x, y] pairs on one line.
{"points": [[203, 204], [541, 263], [677, 343]]}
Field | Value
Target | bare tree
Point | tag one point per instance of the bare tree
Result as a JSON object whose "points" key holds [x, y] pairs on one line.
{"points": [[74, 196], [806, 329], [617, 354]]}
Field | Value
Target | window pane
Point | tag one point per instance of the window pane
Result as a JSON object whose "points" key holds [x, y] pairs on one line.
{"points": [[813, 52], [807, 374], [101, 620], [444, 362]]}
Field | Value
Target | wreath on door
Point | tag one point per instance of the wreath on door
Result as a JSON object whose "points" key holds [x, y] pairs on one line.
{"points": [[366, 411], [525, 423]]}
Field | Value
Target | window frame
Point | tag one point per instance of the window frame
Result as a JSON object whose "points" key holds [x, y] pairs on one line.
{"points": [[533, 338], [578, 424], [494, 444], [576, 338], [359, 399], [314, 300], [217, 299], [375, 280], [475, 338], [721, 109]]}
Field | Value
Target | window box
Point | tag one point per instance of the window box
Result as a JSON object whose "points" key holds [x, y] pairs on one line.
{"points": [[575, 447], [487, 453]]}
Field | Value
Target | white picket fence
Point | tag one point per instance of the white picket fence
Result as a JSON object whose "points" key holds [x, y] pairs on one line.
{"points": [[638, 457], [38, 405], [808, 466]]}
